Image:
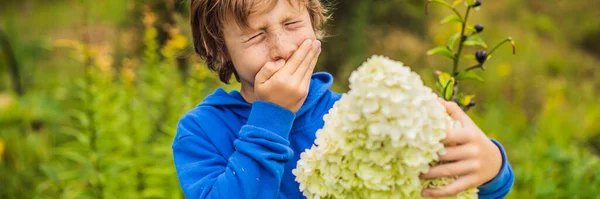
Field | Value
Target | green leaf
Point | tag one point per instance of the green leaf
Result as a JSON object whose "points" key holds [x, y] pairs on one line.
{"points": [[457, 3], [469, 75], [452, 40], [49, 172], [443, 50], [451, 18], [447, 81], [439, 87], [464, 100], [72, 155], [449, 89], [82, 118], [79, 135], [441, 2], [444, 78], [475, 41], [470, 28]]}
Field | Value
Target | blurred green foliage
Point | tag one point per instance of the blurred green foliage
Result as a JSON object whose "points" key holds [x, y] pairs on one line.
{"points": [[105, 83]]}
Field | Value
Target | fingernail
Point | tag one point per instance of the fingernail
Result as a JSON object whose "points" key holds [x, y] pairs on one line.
{"points": [[280, 62], [317, 43], [307, 42], [442, 152]]}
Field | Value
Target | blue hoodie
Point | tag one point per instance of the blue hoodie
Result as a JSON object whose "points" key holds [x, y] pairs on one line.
{"points": [[228, 148]]}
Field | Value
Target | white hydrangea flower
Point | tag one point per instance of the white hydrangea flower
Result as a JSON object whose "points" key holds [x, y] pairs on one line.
{"points": [[377, 138]]}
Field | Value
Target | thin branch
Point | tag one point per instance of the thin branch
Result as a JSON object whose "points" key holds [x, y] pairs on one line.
{"points": [[460, 46]]}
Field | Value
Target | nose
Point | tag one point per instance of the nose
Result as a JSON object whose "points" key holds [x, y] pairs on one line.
{"points": [[281, 46]]}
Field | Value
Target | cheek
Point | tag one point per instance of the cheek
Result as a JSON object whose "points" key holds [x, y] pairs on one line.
{"points": [[303, 34], [248, 62], [258, 57], [307, 31]]}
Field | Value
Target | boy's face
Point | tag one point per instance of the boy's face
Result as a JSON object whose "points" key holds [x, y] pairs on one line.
{"points": [[273, 34]]}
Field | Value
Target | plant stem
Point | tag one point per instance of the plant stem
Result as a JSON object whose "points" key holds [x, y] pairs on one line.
{"points": [[456, 12], [90, 109], [460, 46], [500, 44], [474, 67], [93, 136], [451, 8], [13, 65]]}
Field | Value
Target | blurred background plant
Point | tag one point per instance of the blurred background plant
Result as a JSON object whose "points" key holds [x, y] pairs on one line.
{"points": [[447, 82], [90, 92]]}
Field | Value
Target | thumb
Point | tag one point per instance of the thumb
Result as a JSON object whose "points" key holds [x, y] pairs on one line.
{"points": [[267, 71], [456, 112]]}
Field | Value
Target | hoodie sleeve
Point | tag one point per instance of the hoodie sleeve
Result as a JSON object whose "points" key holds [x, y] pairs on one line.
{"points": [[254, 170], [500, 185]]}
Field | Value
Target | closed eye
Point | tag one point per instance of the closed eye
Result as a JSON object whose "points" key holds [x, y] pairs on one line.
{"points": [[292, 23], [255, 36]]}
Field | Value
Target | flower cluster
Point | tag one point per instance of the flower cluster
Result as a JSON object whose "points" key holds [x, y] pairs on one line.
{"points": [[377, 138]]}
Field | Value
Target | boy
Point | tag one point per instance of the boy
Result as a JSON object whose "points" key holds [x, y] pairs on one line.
{"points": [[244, 144]]}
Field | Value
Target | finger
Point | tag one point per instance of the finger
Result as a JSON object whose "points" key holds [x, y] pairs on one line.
{"points": [[309, 72], [461, 184], [267, 71], [293, 62], [456, 113], [306, 63], [458, 168], [456, 136], [460, 152]]}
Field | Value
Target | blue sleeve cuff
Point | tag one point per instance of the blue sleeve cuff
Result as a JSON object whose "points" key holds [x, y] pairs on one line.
{"points": [[500, 185], [271, 117]]}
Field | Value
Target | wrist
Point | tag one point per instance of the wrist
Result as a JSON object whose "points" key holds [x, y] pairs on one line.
{"points": [[496, 160], [272, 117]]}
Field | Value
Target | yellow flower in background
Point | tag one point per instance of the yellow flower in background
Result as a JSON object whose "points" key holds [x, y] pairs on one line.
{"points": [[81, 51], [1, 148], [127, 70], [149, 17], [6, 101], [378, 138], [68, 43], [177, 43], [99, 54]]}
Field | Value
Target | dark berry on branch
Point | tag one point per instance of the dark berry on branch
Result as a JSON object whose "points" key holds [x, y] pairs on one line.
{"points": [[471, 104], [478, 28], [463, 39], [477, 4], [481, 56]]}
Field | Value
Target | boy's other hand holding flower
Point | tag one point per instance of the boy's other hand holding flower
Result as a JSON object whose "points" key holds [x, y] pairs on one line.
{"points": [[470, 155]]}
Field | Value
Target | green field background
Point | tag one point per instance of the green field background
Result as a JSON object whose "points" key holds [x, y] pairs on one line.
{"points": [[91, 91]]}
